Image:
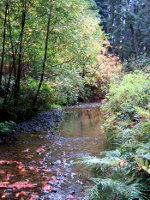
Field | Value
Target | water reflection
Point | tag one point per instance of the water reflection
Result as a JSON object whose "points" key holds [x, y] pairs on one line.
{"points": [[82, 123]]}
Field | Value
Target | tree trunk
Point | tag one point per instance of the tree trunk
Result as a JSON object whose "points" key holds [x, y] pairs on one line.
{"points": [[134, 40], [17, 82], [8, 85], [3, 48], [44, 60], [132, 30]]}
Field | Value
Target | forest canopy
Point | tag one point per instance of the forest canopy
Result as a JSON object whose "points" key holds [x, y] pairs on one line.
{"points": [[52, 52]]}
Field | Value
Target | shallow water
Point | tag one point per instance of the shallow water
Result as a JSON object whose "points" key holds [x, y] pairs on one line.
{"points": [[47, 162]]}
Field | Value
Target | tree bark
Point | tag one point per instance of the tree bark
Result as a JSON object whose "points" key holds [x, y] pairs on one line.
{"points": [[134, 40], [132, 31], [44, 60], [13, 67], [3, 49], [17, 82]]}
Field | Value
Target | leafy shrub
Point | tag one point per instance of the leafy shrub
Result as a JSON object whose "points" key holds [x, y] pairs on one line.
{"points": [[7, 127], [142, 62], [67, 88], [124, 173], [25, 108]]}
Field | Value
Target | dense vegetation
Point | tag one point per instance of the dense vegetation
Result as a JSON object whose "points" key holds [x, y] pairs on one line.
{"points": [[123, 173], [50, 55]]}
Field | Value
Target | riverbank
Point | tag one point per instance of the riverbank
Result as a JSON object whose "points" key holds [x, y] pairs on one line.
{"points": [[44, 121]]}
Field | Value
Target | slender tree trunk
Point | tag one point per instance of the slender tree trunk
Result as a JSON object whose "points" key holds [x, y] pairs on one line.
{"points": [[12, 47], [8, 85], [13, 67], [133, 32], [3, 49], [134, 40], [44, 60], [17, 82]]}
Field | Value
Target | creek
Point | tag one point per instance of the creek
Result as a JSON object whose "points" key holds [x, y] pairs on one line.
{"points": [[43, 165]]}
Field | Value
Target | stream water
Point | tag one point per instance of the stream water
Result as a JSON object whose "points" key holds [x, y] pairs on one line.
{"points": [[38, 166]]}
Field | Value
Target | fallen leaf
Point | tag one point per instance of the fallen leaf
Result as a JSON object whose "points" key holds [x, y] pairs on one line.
{"points": [[2, 162], [20, 166], [54, 180], [48, 188], [31, 168], [33, 197], [45, 170], [40, 149], [4, 184], [4, 195], [70, 197], [2, 172], [23, 171], [26, 150], [21, 184], [8, 175], [41, 162], [29, 156], [22, 193], [35, 169]]}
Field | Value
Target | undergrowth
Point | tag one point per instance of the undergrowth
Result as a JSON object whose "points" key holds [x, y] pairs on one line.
{"points": [[124, 172]]}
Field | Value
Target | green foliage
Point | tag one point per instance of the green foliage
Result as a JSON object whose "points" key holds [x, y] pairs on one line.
{"points": [[7, 127], [71, 50], [140, 63], [132, 91], [124, 173]]}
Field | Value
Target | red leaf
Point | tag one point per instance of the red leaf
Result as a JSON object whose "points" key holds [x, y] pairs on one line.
{"points": [[5, 194], [22, 193], [40, 149], [2, 162], [70, 197], [26, 150], [21, 166], [48, 188], [41, 162], [33, 169], [23, 171], [2, 172], [54, 180], [22, 184], [4, 184], [8, 175], [33, 197]]}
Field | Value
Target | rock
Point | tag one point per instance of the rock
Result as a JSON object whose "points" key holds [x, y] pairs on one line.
{"points": [[43, 121], [9, 190], [72, 192]]}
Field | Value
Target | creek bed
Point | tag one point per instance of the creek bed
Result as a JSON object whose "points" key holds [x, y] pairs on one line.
{"points": [[42, 164]]}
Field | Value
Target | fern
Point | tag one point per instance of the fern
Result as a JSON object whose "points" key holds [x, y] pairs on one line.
{"points": [[122, 190], [124, 173]]}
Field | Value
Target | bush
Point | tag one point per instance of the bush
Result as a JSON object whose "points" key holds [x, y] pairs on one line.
{"points": [[7, 127], [141, 63], [124, 173]]}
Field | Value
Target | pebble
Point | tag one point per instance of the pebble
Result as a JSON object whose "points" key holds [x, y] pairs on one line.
{"points": [[43, 121]]}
